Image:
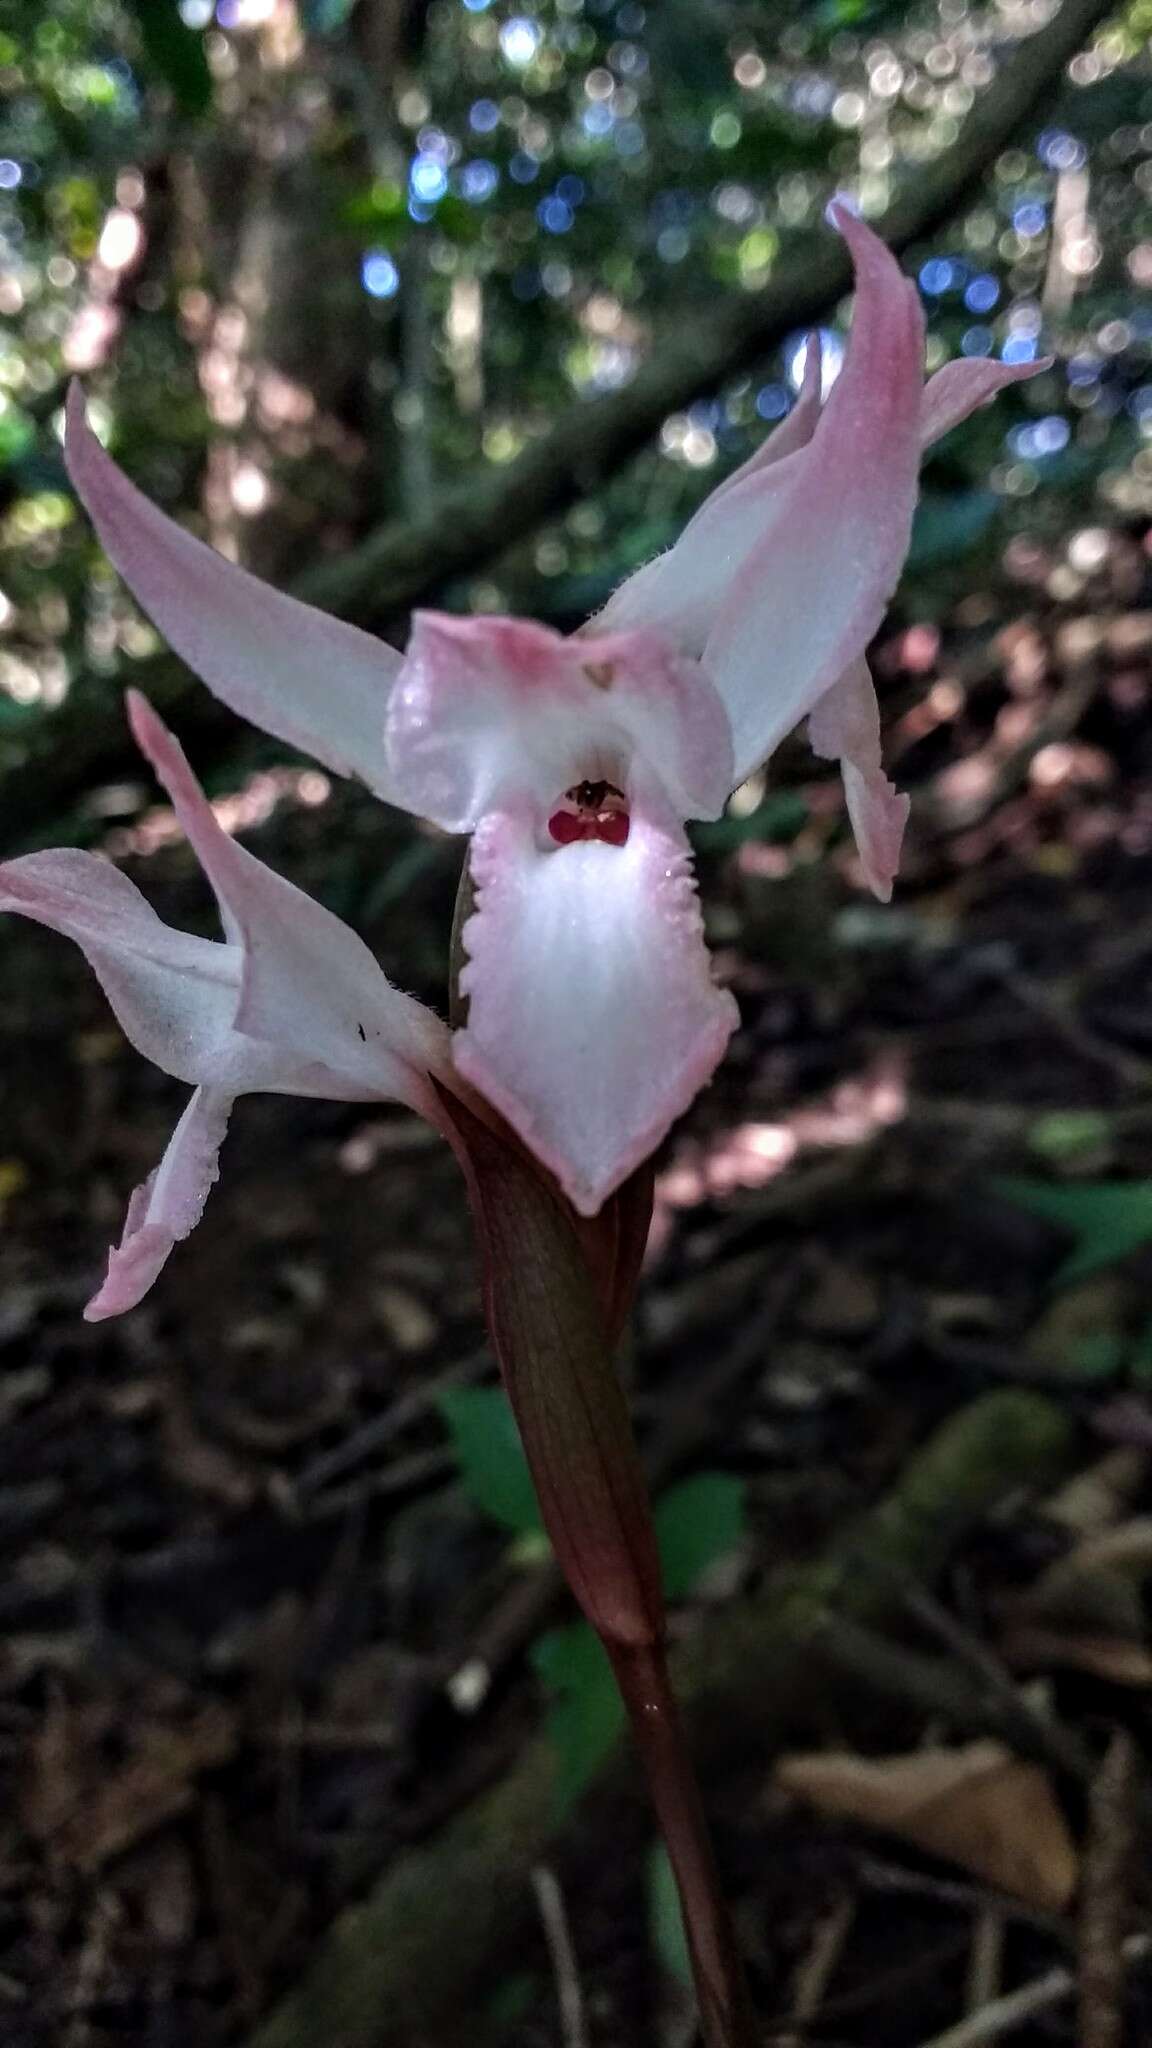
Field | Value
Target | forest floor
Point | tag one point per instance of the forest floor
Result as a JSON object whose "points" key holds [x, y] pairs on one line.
{"points": [[258, 1646]]}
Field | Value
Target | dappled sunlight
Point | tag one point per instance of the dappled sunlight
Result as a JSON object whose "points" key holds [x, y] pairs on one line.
{"points": [[260, 797], [750, 1155]]}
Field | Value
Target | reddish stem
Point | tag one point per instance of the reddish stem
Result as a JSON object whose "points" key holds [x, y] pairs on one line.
{"points": [[551, 1282], [726, 2015]]}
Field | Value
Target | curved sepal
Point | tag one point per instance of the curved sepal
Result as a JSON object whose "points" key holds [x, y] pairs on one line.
{"points": [[312, 680]]}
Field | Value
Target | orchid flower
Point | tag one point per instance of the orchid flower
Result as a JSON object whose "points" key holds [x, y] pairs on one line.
{"points": [[573, 763], [291, 1001]]}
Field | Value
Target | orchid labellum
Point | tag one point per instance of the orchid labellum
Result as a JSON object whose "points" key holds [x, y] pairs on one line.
{"points": [[593, 1017]]}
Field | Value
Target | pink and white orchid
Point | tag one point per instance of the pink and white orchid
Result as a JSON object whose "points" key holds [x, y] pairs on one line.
{"points": [[291, 1001], [593, 1017]]}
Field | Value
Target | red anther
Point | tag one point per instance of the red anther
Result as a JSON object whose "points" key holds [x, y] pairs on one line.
{"points": [[567, 826], [612, 827], [591, 810]]}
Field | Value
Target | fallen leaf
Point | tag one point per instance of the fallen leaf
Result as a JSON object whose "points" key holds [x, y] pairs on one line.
{"points": [[194, 1460], [86, 1811], [1125, 1551], [1117, 1658], [1097, 1497], [977, 1806], [1094, 1593]]}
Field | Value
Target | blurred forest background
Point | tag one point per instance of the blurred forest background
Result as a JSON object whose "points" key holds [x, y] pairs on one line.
{"points": [[471, 303]]}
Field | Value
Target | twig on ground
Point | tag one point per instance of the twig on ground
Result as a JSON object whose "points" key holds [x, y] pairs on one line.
{"points": [[518, 1615], [817, 1968], [383, 1430], [1032, 1731], [417, 1473], [1053, 1008], [985, 1959], [957, 1895], [93, 1963], [569, 1993], [1112, 1825], [946, 1690], [1006, 2014], [886, 1986], [1119, 950]]}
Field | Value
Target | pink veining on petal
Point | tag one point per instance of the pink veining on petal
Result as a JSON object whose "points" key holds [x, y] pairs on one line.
{"points": [[308, 982], [879, 813], [314, 681], [167, 1206], [174, 995], [793, 433], [681, 590], [593, 1017], [489, 709], [293, 1002], [961, 387], [813, 592], [845, 726]]}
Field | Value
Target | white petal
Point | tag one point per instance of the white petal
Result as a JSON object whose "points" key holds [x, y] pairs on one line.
{"points": [[166, 1207], [807, 602], [845, 726], [174, 996], [309, 984], [681, 591], [293, 1003], [312, 680], [960, 387], [593, 1017], [488, 709]]}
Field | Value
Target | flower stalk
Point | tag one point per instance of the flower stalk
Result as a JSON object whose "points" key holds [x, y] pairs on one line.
{"points": [[726, 2016], [547, 1301]]}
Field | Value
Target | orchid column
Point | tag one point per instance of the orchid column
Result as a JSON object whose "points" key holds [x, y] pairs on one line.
{"points": [[592, 1017]]}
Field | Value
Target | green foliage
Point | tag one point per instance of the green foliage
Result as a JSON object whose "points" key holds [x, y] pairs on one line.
{"points": [[491, 1458], [1098, 1358], [949, 524], [1140, 1361], [379, 209], [17, 433], [586, 1715], [325, 17], [177, 52], [697, 1522], [1064, 1135], [776, 821], [512, 1999], [665, 1919], [1107, 1219]]}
